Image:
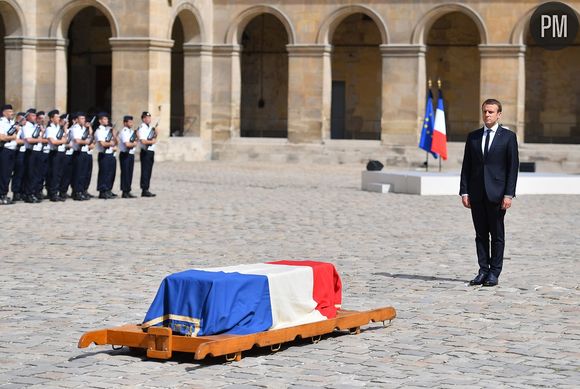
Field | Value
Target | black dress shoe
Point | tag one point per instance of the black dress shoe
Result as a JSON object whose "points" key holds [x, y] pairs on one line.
{"points": [[491, 280], [5, 200], [112, 194], [104, 195], [78, 196], [88, 195], [31, 199], [146, 193], [128, 195], [17, 197], [54, 198], [478, 280]]}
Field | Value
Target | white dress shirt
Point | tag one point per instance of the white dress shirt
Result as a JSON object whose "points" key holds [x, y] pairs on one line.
{"points": [[144, 131], [51, 132], [101, 136], [27, 131], [77, 134], [5, 125], [491, 136], [126, 138]]}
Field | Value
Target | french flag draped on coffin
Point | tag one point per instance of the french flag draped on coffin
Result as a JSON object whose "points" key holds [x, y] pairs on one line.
{"points": [[246, 299]]}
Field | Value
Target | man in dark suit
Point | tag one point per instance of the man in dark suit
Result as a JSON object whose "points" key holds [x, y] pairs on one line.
{"points": [[488, 185]]}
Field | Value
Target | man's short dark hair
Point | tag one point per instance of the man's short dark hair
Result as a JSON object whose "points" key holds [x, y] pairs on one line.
{"points": [[492, 102]]}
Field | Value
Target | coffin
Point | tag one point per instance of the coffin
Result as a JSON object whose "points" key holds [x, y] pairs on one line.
{"points": [[246, 299]]}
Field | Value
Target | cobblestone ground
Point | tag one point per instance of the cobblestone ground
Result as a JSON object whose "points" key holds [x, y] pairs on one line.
{"points": [[72, 267]]}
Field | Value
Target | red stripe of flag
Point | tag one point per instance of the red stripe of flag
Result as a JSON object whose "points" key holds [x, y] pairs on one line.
{"points": [[327, 291]]}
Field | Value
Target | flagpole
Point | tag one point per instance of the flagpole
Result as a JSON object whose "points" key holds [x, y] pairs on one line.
{"points": [[430, 85], [439, 87]]}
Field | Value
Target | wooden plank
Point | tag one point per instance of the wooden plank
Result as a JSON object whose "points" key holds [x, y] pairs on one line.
{"points": [[160, 342]]}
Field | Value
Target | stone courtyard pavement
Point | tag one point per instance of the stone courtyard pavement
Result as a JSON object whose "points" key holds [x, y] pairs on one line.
{"points": [[71, 267]]}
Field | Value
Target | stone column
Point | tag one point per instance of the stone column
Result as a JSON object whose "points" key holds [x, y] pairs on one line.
{"points": [[197, 89], [309, 93], [503, 78], [20, 72], [51, 76], [141, 80], [403, 94], [227, 92]]}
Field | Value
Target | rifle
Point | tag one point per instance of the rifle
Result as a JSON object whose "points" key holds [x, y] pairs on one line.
{"points": [[36, 132], [110, 134], [60, 133], [65, 120], [12, 130], [69, 138], [133, 137], [153, 132]]}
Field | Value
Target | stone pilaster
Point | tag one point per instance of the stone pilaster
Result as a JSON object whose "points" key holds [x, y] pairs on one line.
{"points": [[503, 78], [309, 93], [403, 93], [20, 71], [227, 92], [51, 87], [197, 89], [141, 80]]}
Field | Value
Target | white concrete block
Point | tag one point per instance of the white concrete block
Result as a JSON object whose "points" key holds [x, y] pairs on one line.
{"points": [[428, 183], [379, 188]]}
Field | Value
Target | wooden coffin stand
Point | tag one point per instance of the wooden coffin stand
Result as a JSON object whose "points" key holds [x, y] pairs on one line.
{"points": [[160, 342]]}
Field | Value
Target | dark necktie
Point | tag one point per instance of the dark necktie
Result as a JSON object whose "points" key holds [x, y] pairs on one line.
{"points": [[487, 133]]}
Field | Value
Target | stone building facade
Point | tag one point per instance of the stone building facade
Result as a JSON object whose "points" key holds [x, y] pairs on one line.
{"points": [[316, 81]]}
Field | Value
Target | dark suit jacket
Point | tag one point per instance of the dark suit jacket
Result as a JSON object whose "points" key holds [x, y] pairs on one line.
{"points": [[496, 176]]}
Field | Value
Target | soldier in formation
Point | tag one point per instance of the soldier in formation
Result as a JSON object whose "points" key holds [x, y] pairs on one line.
{"points": [[52, 152]]}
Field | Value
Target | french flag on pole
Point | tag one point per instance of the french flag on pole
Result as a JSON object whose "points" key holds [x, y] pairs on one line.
{"points": [[246, 299], [439, 143]]}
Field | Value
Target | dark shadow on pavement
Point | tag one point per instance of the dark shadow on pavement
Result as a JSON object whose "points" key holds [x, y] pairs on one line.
{"points": [[419, 277]]}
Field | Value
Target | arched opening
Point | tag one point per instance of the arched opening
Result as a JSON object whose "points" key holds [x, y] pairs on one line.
{"points": [[453, 57], [177, 124], [552, 110], [356, 79], [264, 70], [186, 75], [89, 62]]}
